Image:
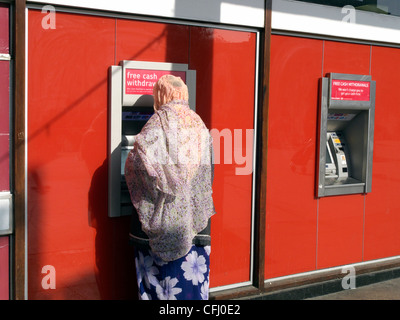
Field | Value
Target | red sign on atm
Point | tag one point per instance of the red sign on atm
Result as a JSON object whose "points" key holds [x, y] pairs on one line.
{"points": [[350, 90], [142, 81]]}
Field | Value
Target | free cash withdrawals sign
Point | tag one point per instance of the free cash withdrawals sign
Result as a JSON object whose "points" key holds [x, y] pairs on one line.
{"points": [[140, 81], [351, 90]]}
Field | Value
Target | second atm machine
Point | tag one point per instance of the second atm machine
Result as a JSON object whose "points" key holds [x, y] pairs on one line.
{"points": [[130, 106], [346, 134]]}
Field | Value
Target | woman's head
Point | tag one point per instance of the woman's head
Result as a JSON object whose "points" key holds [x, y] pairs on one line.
{"points": [[169, 88]]}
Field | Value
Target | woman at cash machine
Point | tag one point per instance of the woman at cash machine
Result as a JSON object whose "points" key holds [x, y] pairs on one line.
{"points": [[169, 174]]}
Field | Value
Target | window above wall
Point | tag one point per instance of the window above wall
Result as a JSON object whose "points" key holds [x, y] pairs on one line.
{"points": [[390, 7]]}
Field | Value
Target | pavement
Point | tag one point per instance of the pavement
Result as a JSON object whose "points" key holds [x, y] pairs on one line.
{"points": [[383, 290], [380, 285]]}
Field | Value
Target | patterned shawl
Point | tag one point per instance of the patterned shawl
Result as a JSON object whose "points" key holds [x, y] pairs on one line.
{"points": [[169, 173]]}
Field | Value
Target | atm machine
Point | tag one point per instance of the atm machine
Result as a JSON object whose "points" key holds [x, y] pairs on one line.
{"points": [[130, 107], [346, 134]]}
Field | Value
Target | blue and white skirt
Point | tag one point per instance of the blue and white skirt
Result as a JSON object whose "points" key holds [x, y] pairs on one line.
{"points": [[186, 278]]}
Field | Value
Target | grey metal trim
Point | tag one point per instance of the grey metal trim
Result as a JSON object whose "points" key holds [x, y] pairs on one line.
{"points": [[114, 155], [230, 286], [335, 190], [370, 147], [322, 138], [26, 149], [191, 84]]}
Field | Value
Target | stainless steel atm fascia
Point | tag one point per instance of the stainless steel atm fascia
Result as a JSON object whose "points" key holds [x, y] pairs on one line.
{"points": [[118, 99], [6, 213], [359, 137]]}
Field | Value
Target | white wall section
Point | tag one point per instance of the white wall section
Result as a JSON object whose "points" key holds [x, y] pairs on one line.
{"points": [[236, 12], [297, 16]]}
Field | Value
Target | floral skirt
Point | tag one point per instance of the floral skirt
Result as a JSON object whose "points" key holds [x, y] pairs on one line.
{"points": [[186, 278]]}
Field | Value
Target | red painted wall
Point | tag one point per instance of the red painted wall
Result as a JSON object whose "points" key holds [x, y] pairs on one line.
{"points": [[4, 268], [4, 141], [225, 100], [4, 126], [4, 101], [304, 233], [382, 214], [68, 227], [4, 28]]}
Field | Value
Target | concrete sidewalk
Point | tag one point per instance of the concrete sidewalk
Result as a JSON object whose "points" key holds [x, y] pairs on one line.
{"points": [[379, 285], [384, 290]]}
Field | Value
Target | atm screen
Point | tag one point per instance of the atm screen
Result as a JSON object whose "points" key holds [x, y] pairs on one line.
{"points": [[135, 116], [134, 120], [132, 123]]}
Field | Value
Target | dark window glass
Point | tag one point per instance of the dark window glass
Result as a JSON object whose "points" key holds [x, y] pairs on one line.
{"points": [[391, 7]]}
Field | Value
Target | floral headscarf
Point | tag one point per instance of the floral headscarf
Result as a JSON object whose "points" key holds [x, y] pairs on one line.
{"points": [[169, 88], [169, 172]]}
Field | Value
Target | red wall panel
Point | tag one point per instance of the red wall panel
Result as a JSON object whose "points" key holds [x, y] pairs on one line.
{"points": [[4, 125], [4, 100], [4, 97], [341, 218], [291, 216], [4, 28], [4, 162], [4, 142], [304, 233], [225, 64], [68, 227], [144, 41], [4, 268], [340, 230], [341, 57], [382, 213]]}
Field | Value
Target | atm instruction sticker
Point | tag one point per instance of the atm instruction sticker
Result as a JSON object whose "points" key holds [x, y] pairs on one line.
{"points": [[350, 90], [140, 81]]}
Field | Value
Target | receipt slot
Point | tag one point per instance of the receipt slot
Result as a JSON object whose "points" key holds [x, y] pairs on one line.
{"points": [[130, 107], [346, 134]]}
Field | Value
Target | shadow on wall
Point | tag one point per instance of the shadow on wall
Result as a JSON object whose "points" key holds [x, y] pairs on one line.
{"points": [[115, 269]]}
